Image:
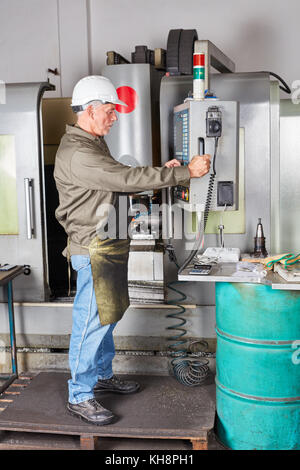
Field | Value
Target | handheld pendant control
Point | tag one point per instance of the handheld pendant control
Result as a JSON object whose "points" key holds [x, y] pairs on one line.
{"points": [[213, 122]]}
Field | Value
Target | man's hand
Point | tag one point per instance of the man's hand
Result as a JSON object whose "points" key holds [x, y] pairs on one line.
{"points": [[172, 163], [199, 165]]}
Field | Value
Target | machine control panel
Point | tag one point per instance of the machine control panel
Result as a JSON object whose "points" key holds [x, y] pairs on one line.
{"points": [[197, 125], [182, 193]]}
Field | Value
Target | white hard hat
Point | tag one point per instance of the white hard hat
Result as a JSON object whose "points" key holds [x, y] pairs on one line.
{"points": [[94, 88]]}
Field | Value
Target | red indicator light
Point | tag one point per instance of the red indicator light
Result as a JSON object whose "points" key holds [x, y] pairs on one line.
{"points": [[199, 60]]}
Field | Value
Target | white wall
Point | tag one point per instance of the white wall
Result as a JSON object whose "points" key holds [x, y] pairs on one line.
{"points": [[74, 35], [39, 34], [256, 35], [28, 40]]}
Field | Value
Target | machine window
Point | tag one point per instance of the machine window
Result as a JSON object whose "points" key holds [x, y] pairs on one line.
{"points": [[8, 187]]}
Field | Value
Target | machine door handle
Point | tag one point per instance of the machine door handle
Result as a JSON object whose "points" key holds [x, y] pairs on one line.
{"points": [[201, 146], [28, 184]]}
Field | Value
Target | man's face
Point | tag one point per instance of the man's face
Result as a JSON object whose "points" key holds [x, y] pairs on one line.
{"points": [[103, 117]]}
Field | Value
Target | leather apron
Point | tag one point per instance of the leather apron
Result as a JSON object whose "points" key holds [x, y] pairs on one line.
{"points": [[109, 261]]}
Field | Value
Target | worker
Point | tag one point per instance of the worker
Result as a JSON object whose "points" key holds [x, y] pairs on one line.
{"points": [[87, 177]]}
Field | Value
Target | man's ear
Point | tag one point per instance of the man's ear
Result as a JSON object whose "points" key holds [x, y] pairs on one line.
{"points": [[90, 111]]}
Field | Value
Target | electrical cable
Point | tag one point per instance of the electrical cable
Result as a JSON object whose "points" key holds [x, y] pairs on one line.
{"points": [[188, 372], [211, 184], [285, 86], [199, 238]]}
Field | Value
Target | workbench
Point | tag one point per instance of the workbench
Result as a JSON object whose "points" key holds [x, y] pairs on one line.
{"points": [[225, 272]]}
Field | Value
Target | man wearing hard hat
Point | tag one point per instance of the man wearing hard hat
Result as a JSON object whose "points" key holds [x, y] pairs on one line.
{"points": [[87, 177]]}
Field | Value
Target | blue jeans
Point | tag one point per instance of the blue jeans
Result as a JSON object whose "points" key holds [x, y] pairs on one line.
{"points": [[91, 346]]}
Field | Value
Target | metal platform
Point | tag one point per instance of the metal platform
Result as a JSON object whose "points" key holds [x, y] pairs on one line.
{"points": [[162, 409]]}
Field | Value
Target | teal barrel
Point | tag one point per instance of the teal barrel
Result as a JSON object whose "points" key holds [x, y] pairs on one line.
{"points": [[258, 367]]}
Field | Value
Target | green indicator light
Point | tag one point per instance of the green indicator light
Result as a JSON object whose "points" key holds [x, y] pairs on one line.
{"points": [[199, 73]]}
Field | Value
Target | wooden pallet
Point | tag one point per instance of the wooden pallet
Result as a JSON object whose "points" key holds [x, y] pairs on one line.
{"points": [[33, 408]]}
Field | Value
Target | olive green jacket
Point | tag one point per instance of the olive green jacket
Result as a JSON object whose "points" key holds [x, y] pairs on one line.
{"points": [[87, 176]]}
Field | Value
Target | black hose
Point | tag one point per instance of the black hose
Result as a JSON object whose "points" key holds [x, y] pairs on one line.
{"points": [[188, 372], [285, 86]]}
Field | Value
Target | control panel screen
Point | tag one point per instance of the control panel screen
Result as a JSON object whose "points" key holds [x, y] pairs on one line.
{"points": [[181, 141], [178, 138]]}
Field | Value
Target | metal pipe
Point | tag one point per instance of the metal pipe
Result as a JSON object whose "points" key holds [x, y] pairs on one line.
{"points": [[169, 215], [12, 328]]}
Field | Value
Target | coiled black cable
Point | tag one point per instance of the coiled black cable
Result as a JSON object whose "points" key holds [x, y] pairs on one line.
{"points": [[210, 191], [209, 196], [211, 184], [186, 371]]}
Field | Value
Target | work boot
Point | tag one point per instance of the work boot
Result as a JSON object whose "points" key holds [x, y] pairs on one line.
{"points": [[91, 411], [114, 384]]}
